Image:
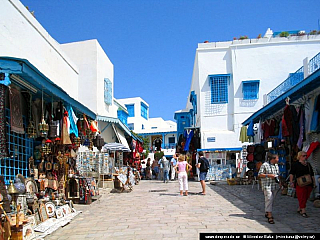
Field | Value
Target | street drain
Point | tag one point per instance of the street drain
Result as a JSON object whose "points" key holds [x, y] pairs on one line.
{"points": [[158, 190]]}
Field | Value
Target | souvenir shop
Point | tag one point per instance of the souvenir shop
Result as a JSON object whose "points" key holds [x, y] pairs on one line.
{"points": [[287, 125], [41, 129]]}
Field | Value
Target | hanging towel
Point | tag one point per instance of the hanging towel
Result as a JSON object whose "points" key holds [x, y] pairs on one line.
{"points": [[243, 135], [73, 121]]}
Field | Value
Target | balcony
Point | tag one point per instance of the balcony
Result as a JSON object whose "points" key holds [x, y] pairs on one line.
{"points": [[294, 79]]}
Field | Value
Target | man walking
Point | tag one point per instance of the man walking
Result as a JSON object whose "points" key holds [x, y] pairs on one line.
{"points": [[268, 174], [203, 165], [166, 165], [173, 164]]}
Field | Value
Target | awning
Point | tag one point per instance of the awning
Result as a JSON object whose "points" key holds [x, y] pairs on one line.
{"points": [[29, 73], [307, 85], [219, 149], [122, 139], [117, 121]]}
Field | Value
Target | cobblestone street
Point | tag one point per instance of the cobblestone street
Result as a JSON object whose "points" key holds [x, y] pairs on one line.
{"points": [[154, 210]]}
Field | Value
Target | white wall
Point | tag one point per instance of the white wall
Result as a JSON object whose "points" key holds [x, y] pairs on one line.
{"points": [[137, 120], [94, 66], [270, 62], [22, 36]]}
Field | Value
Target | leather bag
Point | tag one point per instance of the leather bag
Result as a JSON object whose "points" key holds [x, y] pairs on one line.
{"points": [[305, 179]]}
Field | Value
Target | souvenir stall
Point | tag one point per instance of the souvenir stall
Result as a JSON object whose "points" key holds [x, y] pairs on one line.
{"points": [[121, 174], [189, 142], [289, 124], [39, 137]]}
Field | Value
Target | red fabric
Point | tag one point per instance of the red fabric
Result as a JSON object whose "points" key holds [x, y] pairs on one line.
{"points": [[285, 131], [303, 193], [268, 128], [312, 147]]}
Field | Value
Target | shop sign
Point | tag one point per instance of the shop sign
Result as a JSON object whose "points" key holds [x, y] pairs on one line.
{"points": [[211, 139]]}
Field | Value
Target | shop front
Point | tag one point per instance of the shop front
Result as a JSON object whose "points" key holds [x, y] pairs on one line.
{"points": [[289, 123], [41, 131]]}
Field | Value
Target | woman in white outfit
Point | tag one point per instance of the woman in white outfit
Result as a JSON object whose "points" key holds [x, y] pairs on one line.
{"points": [[181, 168]]}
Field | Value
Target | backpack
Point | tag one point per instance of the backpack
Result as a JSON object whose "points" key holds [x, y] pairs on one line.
{"points": [[205, 163]]}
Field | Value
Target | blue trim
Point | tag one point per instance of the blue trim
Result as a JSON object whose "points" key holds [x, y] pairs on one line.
{"points": [[219, 149], [157, 133], [31, 74], [301, 89]]}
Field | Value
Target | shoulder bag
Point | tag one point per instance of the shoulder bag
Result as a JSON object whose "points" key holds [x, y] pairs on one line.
{"points": [[305, 179]]}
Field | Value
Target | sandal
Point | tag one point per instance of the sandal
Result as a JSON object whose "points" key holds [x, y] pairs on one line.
{"points": [[270, 220], [304, 215]]}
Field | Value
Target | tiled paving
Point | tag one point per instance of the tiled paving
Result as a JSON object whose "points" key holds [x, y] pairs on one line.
{"points": [[163, 214]]}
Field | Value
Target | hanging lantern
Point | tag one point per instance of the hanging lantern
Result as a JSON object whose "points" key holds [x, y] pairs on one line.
{"points": [[77, 141], [43, 127], [98, 142], [31, 130]]}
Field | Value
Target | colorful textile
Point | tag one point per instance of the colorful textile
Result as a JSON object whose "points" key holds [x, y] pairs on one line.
{"points": [[250, 131], [188, 134], [243, 135], [73, 121], [16, 111]]}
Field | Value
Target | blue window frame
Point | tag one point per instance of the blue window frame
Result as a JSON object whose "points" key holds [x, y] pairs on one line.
{"points": [[250, 89], [123, 116], [107, 91], [172, 140], [219, 88], [20, 149], [130, 108], [144, 111], [131, 126]]}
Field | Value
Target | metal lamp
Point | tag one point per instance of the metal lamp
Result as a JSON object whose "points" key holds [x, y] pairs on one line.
{"points": [[13, 191]]}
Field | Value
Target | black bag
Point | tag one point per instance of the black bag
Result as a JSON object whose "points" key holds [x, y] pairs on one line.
{"points": [[205, 163]]}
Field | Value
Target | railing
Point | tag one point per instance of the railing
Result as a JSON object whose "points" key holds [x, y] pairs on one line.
{"points": [[314, 64], [293, 79], [286, 85]]}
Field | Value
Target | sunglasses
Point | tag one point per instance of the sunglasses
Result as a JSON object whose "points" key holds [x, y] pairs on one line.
{"points": [[304, 155]]}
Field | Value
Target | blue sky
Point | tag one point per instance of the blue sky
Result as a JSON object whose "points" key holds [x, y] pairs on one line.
{"points": [[152, 43]]}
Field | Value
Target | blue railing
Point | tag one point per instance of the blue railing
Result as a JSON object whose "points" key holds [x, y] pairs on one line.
{"points": [[293, 79], [286, 85], [314, 64]]}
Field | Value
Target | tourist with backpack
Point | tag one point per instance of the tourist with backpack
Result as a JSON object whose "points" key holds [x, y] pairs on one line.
{"points": [[203, 165]]}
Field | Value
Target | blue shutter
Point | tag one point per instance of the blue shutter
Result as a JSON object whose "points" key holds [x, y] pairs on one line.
{"points": [[250, 89], [219, 88]]}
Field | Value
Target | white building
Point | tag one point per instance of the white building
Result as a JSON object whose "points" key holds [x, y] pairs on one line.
{"points": [[79, 73], [158, 130], [230, 79]]}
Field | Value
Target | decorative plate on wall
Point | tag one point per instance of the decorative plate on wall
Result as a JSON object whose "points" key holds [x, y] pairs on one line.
{"points": [[31, 186]]}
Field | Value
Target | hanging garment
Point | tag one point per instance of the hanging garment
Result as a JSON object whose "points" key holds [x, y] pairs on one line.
{"points": [[3, 148], [250, 131], [314, 127], [268, 128], [301, 126], [188, 134], [65, 139], [16, 111], [157, 144], [196, 139], [73, 121], [243, 134], [313, 146], [260, 132]]}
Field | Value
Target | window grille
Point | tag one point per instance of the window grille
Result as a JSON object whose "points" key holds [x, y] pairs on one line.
{"points": [[20, 149], [130, 109], [131, 126], [144, 111], [250, 90], [219, 89], [123, 116], [107, 91]]}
